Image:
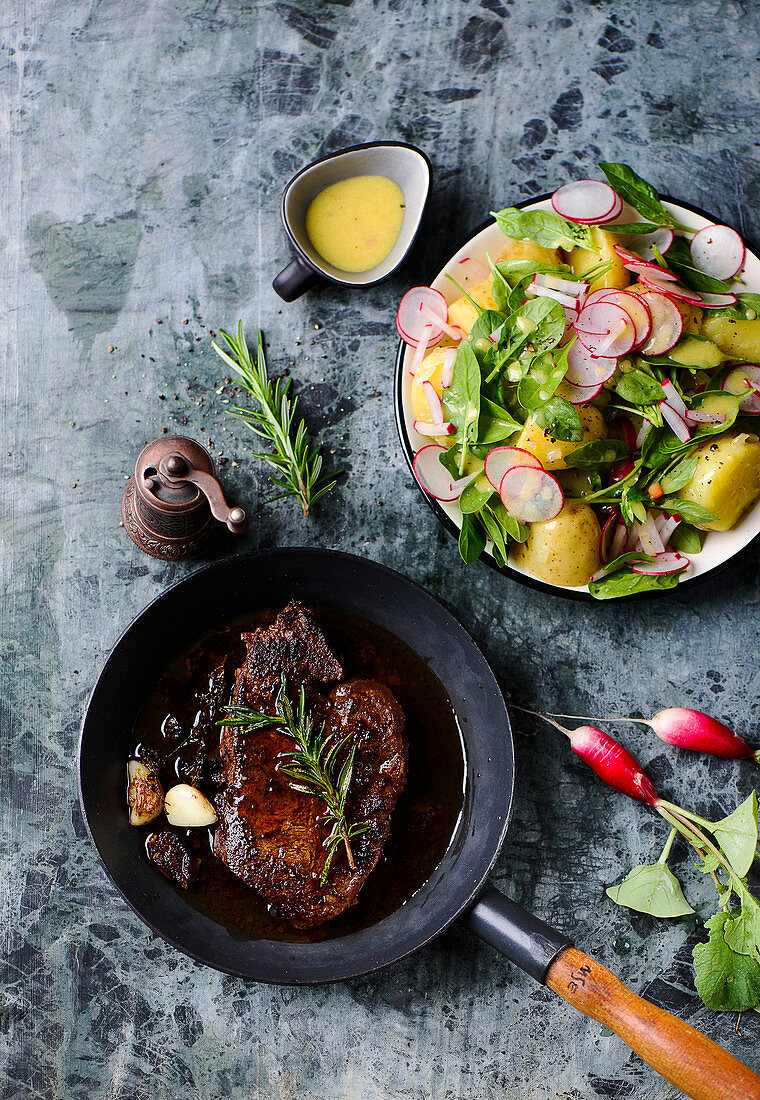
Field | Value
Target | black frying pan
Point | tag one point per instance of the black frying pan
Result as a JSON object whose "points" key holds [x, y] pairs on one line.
{"points": [[457, 889]]}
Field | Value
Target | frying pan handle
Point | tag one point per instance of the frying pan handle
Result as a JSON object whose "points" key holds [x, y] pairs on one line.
{"points": [[681, 1054]]}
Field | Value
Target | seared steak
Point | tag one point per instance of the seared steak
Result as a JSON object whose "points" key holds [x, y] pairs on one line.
{"points": [[273, 837]]}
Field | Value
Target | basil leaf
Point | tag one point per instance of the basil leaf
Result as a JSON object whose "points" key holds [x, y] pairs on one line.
{"points": [[628, 583], [679, 260], [737, 835], [472, 541], [686, 538], [632, 227], [726, 980], [462, 398], [544, 227], [475, 495], [560, 420], [680, 475], [637, 192], [597, 452], [686, 509], [639, 388], [651, 888]]}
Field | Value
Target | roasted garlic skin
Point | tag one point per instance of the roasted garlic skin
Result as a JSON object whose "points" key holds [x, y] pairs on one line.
{"points": [[145, 794]]}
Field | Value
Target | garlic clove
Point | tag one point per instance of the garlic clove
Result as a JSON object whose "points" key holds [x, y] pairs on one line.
{"points": [[187, 807], [145, 794]]}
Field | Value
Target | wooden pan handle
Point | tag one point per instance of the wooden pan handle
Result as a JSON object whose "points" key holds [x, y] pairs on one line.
{"points": [[685, 1057]]}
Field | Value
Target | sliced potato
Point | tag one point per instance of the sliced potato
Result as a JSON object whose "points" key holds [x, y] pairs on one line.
{"points": [[528, 250], [701, 354], [564, 550], [582, 260], [739, 339], [551, 452], [727, 479], [463, 313], [145, 794]]}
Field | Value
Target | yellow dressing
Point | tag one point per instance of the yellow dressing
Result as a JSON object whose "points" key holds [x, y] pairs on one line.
{"points": [[354, 223]]}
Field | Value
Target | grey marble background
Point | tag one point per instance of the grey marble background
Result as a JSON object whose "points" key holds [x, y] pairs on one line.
{"points": [[143, 147]]}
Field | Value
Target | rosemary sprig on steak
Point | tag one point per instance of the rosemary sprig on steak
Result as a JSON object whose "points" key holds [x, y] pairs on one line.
{"points": [[312, 767], [294, 457]]}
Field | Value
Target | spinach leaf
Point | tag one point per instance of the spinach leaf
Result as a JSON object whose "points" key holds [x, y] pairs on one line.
{"points": [[651, 888], [497, 537], [486, 323], [462, 398], [737, 835], [628, 583], [680, 474], [639, 388], [541, 321], [686, 509], [597, 452], [544, 375], [475, 495], [472, 541], [686, 538], [679, 260], [495, 423], [544, 227], [632, 227], [637, 192], [515, 271], [560, 420], [726, 980], [512, 528], [451, 458], [747, 308]]}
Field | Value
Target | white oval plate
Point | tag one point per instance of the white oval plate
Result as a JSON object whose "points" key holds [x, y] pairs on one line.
{"points": [[719, 546]]}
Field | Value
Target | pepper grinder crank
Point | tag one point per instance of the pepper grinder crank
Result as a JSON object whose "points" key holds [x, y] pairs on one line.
{"points": [[173, 506]]}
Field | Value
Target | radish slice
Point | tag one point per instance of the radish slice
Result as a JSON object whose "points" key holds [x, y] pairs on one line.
{"points": [[644, 267], [575, 289], [454, 332], [496, 334], [744, 379], [663, 563], [447, 370], [612, 539], [615, 212], [501, 459], [667, 324], [605, 328], [419, 351], [626, 255], [649, 536], [699, 416], [627, 431], [473, 269], [433, 477], [410, 320], [585, 369], [668, 527], [674, 399], [662, 239], [586, 201], [434, 402], [718, 251], [676, 422], [578, 395], [642, 433], [675, 290], [717, 301], [637, 310], [531, 495], [566, 300], [422, 427]]}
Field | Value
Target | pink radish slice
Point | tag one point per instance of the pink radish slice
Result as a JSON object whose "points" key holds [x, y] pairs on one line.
{"points": [[636, 309], [473, 268], [566, 300], [531, 495], [716, 301], [454, 332], [668, 527], [615, 212], [434, 402], [419, 351], [719, 251], [447, 370], [644, 267], [612, 539], [674, 290], [676, 422], [575, 288], [649, 536], [667, 324], [501, 459], [432, 477], [697, 416], [626, 255], [410, 320], [585, 201], [422, 427], [673, 398], [663, 563], [605, 328], [741, 379], [577, 395], [662, 239], [642, 433], [585, 369]]}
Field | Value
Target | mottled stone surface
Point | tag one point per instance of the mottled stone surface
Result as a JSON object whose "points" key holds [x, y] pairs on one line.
{"points": [[143, 147]]}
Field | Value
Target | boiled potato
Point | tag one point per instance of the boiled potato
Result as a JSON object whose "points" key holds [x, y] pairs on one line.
{"points": [[463, 313], [564, 550], [582, 260], [551, 452], [528, 250], [727, 479], [739, 339]]}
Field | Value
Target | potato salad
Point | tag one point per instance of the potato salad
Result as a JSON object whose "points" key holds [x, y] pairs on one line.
{"points": [[590, 401]]}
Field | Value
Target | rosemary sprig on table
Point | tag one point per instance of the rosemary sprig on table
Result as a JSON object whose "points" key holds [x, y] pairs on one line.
{"points": [[297, 460], [312, 766]]}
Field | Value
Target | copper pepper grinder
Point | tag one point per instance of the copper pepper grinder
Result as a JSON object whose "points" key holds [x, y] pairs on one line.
{"points": [[173, 506]]}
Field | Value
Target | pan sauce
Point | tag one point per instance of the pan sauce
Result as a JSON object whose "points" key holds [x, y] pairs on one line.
{"points": [[422, 823]]}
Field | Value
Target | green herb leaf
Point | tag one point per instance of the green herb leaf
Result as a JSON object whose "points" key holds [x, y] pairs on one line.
{"points": [[496, 423], [737, 835], [651, 888], [628, 583], [512, 528], [726, 980], [679, 260], [462, 398], [472, 541], [475, 495], [680, 475], [686, 538], [560, 420], [544, 375], [544, 227], [597, 452], [686, 509], [747, 308], [742, 932], [632, 228], [639, 388], [496, 535], [488, 321], [637, 192]]}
